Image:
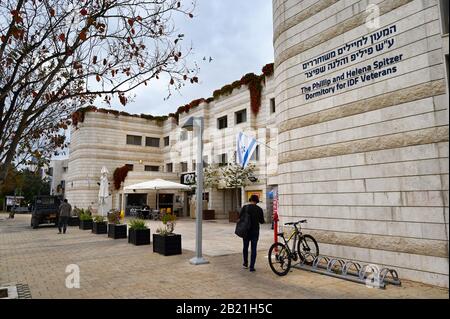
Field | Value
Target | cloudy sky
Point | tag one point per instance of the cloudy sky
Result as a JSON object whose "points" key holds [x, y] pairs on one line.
{"points": [[237, 34]]}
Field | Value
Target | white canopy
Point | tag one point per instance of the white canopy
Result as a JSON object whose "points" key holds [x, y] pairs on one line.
{"points": [[157, 184]]}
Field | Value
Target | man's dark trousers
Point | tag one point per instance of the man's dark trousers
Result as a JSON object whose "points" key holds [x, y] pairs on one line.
{"points": [[62, 223], [253, 239]]}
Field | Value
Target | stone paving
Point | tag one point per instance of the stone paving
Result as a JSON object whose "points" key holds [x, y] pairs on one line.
{"points": [[115, 269]]}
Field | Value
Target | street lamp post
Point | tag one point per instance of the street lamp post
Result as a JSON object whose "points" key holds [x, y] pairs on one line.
{"points": [[197, 122]]}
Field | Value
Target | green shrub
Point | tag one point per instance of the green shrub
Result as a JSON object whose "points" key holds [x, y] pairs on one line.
{"points": [[85, 215], [169, 222], [99, 219], [137, 224]]}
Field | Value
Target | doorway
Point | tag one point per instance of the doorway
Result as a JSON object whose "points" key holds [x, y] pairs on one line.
{"points": [[165, 201]]}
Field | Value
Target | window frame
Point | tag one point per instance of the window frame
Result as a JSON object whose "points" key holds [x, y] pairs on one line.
{"points": [[219, 121], [184, 164], [134, 143], [154, 139], [166, 141], [241, 112], [444, 7], [273, 106], [151, 168]]}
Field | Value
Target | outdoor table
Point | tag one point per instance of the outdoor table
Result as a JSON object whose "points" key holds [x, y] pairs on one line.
{"points": [[145, 213]]}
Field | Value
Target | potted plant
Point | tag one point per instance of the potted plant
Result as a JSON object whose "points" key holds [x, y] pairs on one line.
{"points": [[74, 219], [116, 229], [85, 220], [99, 225], [165, 242], [208, 214], [139, 233]]}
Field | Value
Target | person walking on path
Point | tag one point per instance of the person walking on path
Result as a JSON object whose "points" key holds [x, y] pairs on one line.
{"points": [[64, 214], [256, 217]]}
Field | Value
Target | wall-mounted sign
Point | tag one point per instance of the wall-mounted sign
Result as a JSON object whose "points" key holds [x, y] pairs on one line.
{"points": [[188, 179], [365, 47]]}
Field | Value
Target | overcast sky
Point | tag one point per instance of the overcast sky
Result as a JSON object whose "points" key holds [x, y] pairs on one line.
{"points": [[237, 34]]}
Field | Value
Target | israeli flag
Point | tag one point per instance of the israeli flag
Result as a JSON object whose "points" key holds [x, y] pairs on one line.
{"points": [[245, 147]]}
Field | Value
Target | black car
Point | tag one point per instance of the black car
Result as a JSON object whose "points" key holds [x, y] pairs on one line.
{"points": [[45, 210]]}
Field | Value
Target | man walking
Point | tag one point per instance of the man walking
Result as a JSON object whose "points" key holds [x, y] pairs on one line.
{"points": [[256, 217], [64, 214]]}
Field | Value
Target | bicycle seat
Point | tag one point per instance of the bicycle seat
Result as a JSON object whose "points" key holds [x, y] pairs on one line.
{"points": [[303, 221]]}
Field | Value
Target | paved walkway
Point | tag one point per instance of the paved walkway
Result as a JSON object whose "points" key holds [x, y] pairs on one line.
{"points": [[115, 269]]}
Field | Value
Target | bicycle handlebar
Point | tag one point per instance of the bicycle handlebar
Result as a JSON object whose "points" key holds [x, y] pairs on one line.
{"points": [[296, 223]]}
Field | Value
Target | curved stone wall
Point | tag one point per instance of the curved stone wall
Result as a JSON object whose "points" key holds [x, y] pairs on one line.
{"points": [[363, 117]]}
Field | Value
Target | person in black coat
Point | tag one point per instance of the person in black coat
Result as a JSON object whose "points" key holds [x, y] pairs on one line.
{"points": [[256, 218]]}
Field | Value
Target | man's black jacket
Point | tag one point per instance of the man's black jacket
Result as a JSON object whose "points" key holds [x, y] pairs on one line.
{"points": [[256, 217]]}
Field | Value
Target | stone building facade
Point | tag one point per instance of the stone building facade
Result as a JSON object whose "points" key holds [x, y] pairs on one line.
{"points": [[161, 149], [353, 132], [362, 97]]}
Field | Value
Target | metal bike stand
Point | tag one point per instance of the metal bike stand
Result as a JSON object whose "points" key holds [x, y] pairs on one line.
{"points": [[367, 274]]}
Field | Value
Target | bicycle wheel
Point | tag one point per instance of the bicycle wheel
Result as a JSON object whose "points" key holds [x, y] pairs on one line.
{"points": [[279, 259], [307, 249]]}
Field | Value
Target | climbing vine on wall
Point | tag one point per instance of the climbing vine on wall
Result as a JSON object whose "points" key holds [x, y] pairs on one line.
{"points": [[253, 82], [119, 175], [79, 115]]}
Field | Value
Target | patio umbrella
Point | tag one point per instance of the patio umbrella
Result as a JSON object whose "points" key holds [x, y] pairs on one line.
{"points": [[156, 185], [103, 193]]}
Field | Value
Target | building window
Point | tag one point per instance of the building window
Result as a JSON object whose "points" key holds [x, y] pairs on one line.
{"points": [[444, 15], [205, 161], [272, 106], [166, 141], [134, 140], [130, 166], [169, 167], [183, 136], [447, 66], [223, 159], [184, 167], [255, 155], [150, 168], [222, 122], [65, 169], [194, 166], [152, 141], [241, 116]]}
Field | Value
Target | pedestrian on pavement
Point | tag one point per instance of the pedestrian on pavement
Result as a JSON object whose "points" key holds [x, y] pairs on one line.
{"points": [[256, 217], [64, 213]]}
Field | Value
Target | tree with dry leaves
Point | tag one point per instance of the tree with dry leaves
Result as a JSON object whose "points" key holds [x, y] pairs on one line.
{"points": [[59, 55]]}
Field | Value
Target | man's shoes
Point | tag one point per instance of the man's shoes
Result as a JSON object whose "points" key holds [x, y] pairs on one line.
{"points": [[245, 266], [252, 270]]}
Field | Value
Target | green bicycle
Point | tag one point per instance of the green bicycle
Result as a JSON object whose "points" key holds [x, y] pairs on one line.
{"points": [[304, 247]]}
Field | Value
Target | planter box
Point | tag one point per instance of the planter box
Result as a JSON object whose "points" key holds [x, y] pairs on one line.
{"points": [[209, 214], [100, 228], [233, 216], [73, 221], [167, 245], [117, 231], [139, 237], [85, 224]]}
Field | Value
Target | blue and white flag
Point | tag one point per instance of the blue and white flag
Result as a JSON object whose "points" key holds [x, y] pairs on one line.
{"points": [[245, 147]]}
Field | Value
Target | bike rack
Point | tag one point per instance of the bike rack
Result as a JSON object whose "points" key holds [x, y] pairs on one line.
{"points": [[368, 274]]}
